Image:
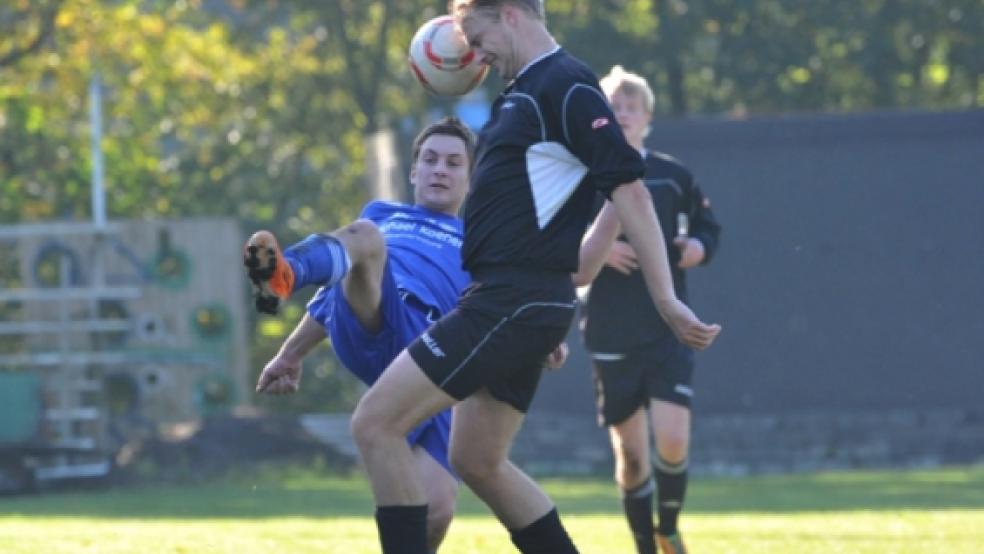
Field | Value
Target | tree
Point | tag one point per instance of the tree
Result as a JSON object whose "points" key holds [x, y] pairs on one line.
{"points": [[260, 109], [25, 28], [256, 110], [769, 56]]}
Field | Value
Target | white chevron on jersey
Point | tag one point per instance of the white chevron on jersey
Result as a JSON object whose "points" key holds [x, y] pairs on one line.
{"points": [[554, 174]]}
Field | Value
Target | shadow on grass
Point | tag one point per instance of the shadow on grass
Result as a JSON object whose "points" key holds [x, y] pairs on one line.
{"points": [[308, 494], [950, 488]]}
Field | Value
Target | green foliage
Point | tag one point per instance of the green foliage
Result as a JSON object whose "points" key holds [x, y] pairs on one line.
{"points": [[252, 111], [259, 109], [769, 56]]}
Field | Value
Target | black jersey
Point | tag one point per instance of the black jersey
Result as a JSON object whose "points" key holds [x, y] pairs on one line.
{"points": [[620, 314], [550, 145]]}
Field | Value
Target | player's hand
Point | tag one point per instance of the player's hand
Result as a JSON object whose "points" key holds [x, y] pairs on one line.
{"points": [[557, 358], [280, 376], [690, 330], [622, 258], [691, 251]]}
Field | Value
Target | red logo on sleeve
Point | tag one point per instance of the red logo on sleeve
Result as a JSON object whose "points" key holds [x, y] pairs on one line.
{"points": [[599, 123]]}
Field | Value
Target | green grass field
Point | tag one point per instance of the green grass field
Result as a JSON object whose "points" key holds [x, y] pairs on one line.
{"points": [[300, 511]]}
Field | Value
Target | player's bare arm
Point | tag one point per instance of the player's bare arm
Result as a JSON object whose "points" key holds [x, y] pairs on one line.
{"points": [[638, 218], [282, 374], [622, 258], [596, 245]]}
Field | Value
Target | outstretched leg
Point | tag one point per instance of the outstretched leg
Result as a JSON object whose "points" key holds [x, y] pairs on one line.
{"points": [[354, 255]]}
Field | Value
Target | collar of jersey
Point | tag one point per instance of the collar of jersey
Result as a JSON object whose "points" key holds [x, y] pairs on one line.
{"points": [[429, 211], [534, 61]]}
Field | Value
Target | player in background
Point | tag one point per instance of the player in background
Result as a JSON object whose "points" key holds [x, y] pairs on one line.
{"points": [[384, 278], [551, 143], [642, 371]]}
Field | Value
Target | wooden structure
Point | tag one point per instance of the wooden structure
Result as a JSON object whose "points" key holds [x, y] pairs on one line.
{"points": [[122, 328]]}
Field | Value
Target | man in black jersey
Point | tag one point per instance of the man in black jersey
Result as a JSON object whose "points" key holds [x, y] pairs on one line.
{"points": [[551, 143], [642, 372]]}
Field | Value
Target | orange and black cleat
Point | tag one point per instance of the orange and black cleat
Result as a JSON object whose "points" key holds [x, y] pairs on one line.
{"points": [[269, 273], [670, 544]]}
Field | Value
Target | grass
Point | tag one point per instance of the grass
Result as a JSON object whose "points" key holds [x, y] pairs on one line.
{"points": [[299, 511]]}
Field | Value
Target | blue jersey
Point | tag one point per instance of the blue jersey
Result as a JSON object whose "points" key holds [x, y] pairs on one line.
{"points": [[424, 251], [422, 275]]}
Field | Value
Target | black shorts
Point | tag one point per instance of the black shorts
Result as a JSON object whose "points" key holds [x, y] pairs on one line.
{"points": [[626, 381], [499, 336]]}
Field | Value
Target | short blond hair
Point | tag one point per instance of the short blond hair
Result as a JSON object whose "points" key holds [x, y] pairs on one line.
{"points": [[626, 82], [533, 7]]}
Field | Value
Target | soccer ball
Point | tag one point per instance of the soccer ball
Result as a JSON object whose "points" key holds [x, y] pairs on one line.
{"points": [[442, 61]]}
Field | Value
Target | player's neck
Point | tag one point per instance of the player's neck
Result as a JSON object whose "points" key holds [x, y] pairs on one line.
{"points": [[539, 42], [443, 211]]}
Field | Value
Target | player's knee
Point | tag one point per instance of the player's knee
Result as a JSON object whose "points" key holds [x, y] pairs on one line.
{"points": [[359, 425], [472, 468], [672, 446], [366, 425], [631, 466], [363, 240]]}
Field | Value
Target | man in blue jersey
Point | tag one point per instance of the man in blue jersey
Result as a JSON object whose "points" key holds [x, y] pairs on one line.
{"points": [[550, 145], [384, 279]]}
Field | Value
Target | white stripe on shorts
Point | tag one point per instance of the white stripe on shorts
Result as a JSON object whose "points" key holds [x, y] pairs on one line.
{"points": [[496, 328]]}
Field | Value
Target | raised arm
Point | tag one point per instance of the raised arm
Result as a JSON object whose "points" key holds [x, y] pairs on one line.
{"points": [[637, 217]]}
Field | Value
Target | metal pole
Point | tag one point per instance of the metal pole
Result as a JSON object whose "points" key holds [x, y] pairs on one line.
{"points": [[95, 119]]}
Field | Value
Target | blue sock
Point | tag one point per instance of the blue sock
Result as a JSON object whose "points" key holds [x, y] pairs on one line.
{"points": [[318, 260]]}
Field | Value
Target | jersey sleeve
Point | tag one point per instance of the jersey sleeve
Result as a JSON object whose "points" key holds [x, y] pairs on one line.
{"points": [[595, 138], [704, 225], [372, 210]]}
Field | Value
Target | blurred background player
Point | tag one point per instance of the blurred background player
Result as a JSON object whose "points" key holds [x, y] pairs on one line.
{"points": [[642, 372], [384, 279]]}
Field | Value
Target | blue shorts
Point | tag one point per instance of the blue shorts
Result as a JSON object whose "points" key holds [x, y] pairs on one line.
{"points": [[367, 355]]}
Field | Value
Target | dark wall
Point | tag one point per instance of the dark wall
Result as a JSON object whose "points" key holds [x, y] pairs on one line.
{"points": [[851, 263]]}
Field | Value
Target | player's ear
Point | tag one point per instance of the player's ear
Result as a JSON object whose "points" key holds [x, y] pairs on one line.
{"points": [[413, 172]]}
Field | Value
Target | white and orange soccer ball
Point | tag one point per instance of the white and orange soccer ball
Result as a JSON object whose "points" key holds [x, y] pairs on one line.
{"points": [[442, 61]]}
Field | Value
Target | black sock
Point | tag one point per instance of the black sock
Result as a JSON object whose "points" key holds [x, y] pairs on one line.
{"points": [[671, 481], [638, 506], [402, 529], [544, 536]]}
